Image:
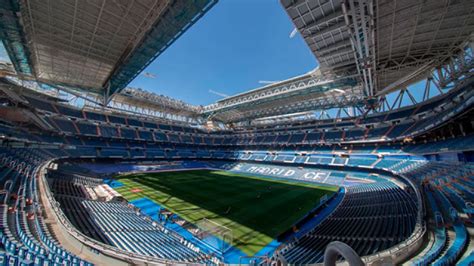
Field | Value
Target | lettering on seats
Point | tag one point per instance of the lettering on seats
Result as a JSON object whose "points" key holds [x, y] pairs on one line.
{"points": [[284, 172]]}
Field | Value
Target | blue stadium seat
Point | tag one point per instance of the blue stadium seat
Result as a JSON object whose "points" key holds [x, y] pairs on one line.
{"points": [[146, 135], [128, 133], [109, 132], [95, 116], [87, 129]]}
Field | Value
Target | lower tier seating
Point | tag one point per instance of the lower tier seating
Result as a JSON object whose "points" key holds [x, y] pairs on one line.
{"points": [[135, 233], [370, 218], [25, 238], [446, 206]]}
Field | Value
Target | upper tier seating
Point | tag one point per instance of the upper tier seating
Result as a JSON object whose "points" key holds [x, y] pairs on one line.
{"points": [[395, 124]]}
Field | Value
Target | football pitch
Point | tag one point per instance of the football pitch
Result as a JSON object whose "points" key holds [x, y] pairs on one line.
{"points": [[256, 209]]}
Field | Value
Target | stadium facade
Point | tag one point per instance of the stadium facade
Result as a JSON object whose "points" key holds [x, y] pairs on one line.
{"points": [[382, 131]]}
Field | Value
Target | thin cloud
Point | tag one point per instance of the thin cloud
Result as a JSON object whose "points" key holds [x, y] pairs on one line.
{"points": [[149, 75], [293, 33], [218, 93], [267, 81]]}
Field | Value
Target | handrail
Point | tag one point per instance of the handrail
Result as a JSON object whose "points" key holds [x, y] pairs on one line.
{"points": [[418, 232]]}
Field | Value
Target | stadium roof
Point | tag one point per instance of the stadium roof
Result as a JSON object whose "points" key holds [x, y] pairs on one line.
{"points": [[97, 46], [365, 49], [307, 92], [387, 43]]}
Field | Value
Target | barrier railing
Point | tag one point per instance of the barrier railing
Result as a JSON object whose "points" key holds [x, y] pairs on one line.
{"points": [[415, 237]]}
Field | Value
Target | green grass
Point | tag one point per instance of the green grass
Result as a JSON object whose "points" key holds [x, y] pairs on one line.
{"points": [[255, 221]]}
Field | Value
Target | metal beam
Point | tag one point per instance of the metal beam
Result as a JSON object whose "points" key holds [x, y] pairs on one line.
{"points": [[323, 22], [13, 38]]}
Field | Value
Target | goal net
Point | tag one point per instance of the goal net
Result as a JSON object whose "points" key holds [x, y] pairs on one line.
{"points": [[218, 236]]}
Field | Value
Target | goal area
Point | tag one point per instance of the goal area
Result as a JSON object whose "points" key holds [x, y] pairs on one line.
{"points": [[217, 236]]}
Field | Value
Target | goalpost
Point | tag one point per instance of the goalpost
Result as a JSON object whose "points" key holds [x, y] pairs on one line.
{"points": [[218, 236]]}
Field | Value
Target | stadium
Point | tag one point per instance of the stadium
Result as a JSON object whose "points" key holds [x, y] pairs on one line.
{"points": [[366, 160]]}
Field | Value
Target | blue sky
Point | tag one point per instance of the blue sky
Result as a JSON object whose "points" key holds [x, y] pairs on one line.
{"points": [[236, 44], [3, 53]]}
